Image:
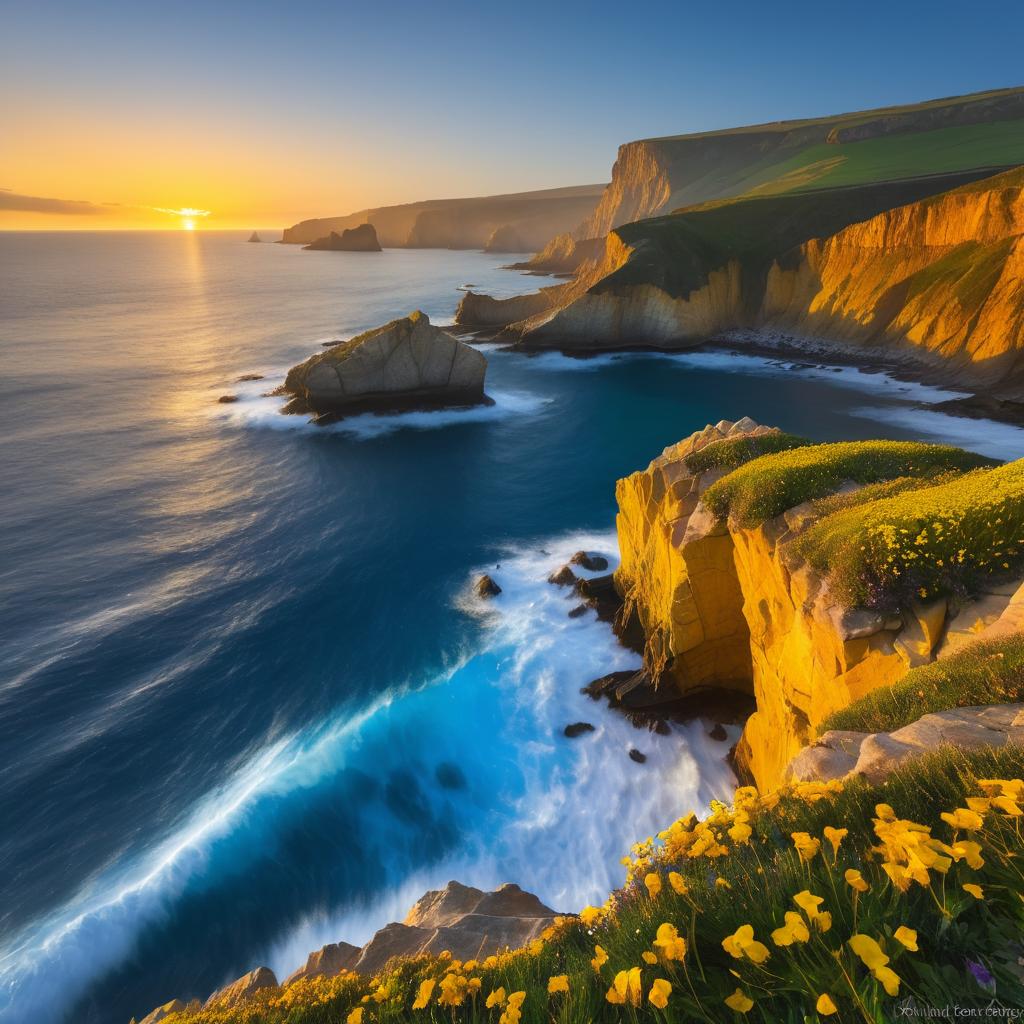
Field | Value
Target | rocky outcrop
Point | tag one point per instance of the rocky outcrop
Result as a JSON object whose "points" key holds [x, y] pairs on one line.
{"points": [[529, 218], [727, 608], [562, 255], [241, 990], [476, 310], [254, 237], [359, 239], [467, 922], [839, 754], [327, 961], [405, 364]]}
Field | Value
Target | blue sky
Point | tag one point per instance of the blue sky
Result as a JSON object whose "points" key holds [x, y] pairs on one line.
{"points": [[389, 102]]}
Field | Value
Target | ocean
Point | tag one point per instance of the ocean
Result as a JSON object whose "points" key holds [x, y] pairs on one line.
{"points": [[248, 704]]}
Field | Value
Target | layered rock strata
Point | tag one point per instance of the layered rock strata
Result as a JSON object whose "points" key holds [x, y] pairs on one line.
{"points": [[406, 364]]}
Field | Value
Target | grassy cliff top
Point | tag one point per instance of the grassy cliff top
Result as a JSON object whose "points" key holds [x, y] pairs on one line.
{"points": [[834, 901], [767, 486], [987, 672], [678, 252], [949, 539]]}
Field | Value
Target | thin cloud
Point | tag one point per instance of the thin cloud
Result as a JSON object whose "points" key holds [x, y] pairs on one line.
{"points": [[41, 204], [185, 211]]}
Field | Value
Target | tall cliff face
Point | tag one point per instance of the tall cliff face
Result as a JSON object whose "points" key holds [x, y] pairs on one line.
{"points": [[945, 276], [726, 607], [525, 219], [652, 177], [936, 278]]}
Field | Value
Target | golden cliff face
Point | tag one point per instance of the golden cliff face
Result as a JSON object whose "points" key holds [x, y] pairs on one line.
{"points": [[943, 278], [640, 187], [729, 608]]}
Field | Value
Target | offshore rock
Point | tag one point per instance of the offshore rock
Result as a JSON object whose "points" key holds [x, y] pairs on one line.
{"points": [[405, 364], [359, 239]]}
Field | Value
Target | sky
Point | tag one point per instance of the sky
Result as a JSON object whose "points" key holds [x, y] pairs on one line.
{"points": [[257, 115]]}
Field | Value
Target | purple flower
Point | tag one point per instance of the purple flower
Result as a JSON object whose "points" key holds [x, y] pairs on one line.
{"points": [[981, 973]]}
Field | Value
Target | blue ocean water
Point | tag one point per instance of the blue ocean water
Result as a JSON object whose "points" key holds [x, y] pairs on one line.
{"points": [[246, 703]]}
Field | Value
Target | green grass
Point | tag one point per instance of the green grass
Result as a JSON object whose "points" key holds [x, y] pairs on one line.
{"points": [[828, 165], [767, 486], [949, 539], [678, 252], [752, 879], [732, 452], [988, 672]]}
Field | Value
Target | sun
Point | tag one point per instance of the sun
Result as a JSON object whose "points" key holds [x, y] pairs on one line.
{"points": [[188, 224]]}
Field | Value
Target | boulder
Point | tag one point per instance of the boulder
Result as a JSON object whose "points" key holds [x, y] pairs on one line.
{"points": [[577, 729], [636, 755], [157, 1015], [243, 989], [406, 364], [592, 563], [486, 587], [564, 577], [360, 239], [327, 961], [254, 237]]}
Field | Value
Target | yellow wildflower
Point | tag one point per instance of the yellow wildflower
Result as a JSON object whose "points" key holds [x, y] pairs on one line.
{"points": [[723, 883], [825, 1006], [794, 930], [1007, 805], [496, 998], [649, 957], [678, 883], [963, 817], [967, 850], [808, 902], [600, 958], [355, 1017], [653, 883], [806, 846], [975, 890], [906, 936], [869, 951], [742, 943], [591, 916], [740, 832], [885, 812], [823, 921], [855, 881], [558, 983], [660, 991], [536, 947], [626, 988], [668, 941], [835, 836], [423, 995], [513, 1013], [889, 978], [739, 1001]]}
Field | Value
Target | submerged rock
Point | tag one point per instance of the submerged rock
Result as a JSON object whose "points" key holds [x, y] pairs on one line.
{"points": [[250, 376], [486, 587], [636, 755], [592, 563], [563, 577], [227, 399], [406, 364], [577, 729], [360, 239]]}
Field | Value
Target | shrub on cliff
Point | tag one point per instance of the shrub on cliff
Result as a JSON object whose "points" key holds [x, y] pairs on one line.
{"points": [[835, 900], [769, 485], [732, 452], [988, 672], [944, 540]]}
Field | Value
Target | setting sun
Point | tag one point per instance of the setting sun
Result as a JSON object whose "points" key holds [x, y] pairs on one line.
{"points": [[188, 224]]}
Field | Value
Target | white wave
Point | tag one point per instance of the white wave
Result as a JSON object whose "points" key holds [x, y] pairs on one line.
{"points": [[579, 803], [986, 437], [552, 814], [261, 410]]}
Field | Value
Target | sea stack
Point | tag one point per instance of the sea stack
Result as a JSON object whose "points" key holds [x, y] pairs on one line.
{"points": [[360, 239], [254, 237], [406, 364]]}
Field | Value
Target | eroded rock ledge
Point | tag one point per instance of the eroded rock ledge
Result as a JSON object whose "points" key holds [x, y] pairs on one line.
{"points": [[467, 922], [727, 607]]}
